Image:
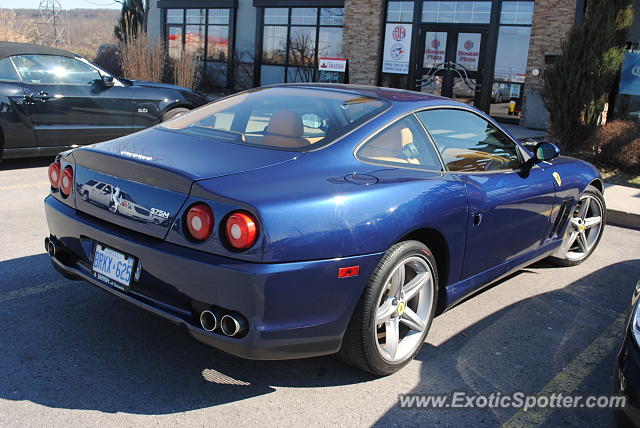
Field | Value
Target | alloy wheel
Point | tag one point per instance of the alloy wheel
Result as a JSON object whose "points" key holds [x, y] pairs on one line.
{"points": [[584, 228], [403, 309]]}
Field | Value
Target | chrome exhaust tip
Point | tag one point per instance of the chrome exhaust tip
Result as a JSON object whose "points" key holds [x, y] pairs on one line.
{"points": [[231, 325], [208, 320], [50, 247]]}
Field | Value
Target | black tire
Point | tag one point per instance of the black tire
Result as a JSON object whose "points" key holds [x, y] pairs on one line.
{"points": [[174, 112], [562, 259], [85, 196], [359, 344]]}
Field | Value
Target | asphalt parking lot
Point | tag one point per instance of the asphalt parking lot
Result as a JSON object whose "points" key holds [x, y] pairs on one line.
{"points": [[72, 355]]}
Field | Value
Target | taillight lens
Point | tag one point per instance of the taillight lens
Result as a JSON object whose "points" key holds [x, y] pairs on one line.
{"points": [[242, 230], [200, 221], [66, 181], [54, 174]]}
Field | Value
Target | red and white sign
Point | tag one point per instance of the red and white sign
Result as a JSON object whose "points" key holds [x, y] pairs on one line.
{"points": [[332, 64], [435, 45], [397, 48], [468, 52]]}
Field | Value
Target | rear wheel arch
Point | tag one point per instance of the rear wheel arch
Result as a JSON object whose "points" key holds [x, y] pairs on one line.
{"points": [[436, 241]]}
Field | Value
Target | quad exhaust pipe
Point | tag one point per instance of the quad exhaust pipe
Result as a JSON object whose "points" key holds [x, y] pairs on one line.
{"points": [[208, 320], [229, 325], [232, 326]]}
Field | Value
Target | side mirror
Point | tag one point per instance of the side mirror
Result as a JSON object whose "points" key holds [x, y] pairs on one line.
{"points": [[546, 151], [107, 81]]}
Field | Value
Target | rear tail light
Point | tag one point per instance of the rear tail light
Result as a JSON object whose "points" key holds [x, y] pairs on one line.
{"points": [[66, 181], [54, 174], [242, 230], [200, 221]]}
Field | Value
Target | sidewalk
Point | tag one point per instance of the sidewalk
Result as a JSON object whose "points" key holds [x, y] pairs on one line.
{"points": [[623, 205]]}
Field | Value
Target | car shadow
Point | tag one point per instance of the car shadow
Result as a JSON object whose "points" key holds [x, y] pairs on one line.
{"points": [[76, 347], [11, 164]]}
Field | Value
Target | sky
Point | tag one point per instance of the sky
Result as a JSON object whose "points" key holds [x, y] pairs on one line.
{"points": [[66, 4]]}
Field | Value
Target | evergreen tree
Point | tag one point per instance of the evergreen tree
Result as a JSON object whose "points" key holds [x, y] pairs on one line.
{"points": [[577, 86], [130, 21]]}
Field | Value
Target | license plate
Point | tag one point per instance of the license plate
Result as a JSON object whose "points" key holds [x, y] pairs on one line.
{"points": [[113, 267]]}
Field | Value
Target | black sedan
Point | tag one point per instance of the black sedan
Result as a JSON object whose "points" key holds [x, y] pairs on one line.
{"points": [[51, 99], [626, 378]]}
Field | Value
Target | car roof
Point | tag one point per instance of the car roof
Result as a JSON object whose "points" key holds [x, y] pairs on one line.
{"points": [[8, 49], [387, 94]]}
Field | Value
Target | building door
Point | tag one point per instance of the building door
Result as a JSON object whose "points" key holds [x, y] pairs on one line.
{"points": [[451, 63]]}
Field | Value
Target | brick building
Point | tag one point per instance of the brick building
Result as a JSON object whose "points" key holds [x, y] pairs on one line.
{"points": [[489, 53]]}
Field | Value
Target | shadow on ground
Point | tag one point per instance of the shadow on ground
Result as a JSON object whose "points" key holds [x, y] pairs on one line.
{"points": [[10, 164], [77, 347]]}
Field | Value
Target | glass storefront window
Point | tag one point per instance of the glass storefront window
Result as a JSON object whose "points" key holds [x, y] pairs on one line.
{"points": [[400, 11], [274, 44], [332, 16], [456, 12], [175, 16], [295, 38], [205, 33], [330, 42], [304, 16], [512, 53], [219, 16], [276, 15], [517, 12]]}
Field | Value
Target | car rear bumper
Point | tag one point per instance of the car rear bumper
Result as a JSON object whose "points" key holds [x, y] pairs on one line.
{"points": [[294, 310]]}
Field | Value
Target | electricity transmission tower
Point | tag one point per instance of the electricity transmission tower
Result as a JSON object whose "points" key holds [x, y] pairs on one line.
{"points": [[52, 26]]}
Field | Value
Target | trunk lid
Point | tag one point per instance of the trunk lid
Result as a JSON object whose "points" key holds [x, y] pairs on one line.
{"points": [[141, 181]]}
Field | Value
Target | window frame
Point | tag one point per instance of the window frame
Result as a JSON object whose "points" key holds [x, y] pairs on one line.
{"points": [[204, 62], [382, 129], [523, 155], [15, 69], [289, 25]]}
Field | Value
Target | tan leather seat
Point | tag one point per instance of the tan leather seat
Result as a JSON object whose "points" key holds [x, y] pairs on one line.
{"points": [[389, 144], [285, 129]]}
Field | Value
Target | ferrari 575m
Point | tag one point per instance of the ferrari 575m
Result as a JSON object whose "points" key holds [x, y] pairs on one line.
{"points": [[301, 220]]}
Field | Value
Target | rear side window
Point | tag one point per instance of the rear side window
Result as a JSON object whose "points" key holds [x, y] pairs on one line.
{"points": [[402, 144], [7, 71], [469, 143], [290, 118]]}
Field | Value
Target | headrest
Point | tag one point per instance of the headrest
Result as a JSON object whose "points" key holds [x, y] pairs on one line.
{"points": [[286, 123], [406, 136]]}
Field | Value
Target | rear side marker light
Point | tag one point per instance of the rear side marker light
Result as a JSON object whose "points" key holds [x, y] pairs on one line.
{"points": [[242, 230], [66, 181], [346, 272], [54, 174], [200, 221]]}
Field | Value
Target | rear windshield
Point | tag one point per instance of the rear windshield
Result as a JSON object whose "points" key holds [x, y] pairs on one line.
{"points": [[287, 118]]}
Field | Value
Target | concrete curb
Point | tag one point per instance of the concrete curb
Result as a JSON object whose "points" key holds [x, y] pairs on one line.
{"points": [[623, 218]]}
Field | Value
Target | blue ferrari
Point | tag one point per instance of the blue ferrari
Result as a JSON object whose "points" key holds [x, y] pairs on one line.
{"points": [[310, 219]]}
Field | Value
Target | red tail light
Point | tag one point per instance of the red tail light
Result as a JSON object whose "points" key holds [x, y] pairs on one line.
{"points": [[54, 174], [66, 181], [200, 221], [242, 230]]}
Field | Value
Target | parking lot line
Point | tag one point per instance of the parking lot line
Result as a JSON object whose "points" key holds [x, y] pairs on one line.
{"points": [[36, 289], [24, 186], [572, 376]]}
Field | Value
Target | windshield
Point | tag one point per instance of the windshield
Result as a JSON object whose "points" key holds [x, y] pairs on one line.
{"points": [[286, 118]]}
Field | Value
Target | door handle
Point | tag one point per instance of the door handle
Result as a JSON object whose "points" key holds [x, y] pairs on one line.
{"points": [[477, 219], [40, 96]]}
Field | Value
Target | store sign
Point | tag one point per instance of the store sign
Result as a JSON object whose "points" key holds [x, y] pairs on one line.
{"points": [[630, 77], [397, 48], [435, 45], [332, 64], [468, 52]]}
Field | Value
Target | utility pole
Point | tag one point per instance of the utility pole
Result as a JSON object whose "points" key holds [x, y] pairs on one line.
{"points": [[52, 26]]}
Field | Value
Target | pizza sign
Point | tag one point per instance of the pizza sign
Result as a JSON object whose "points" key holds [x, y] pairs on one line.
{"points": [[397, 48]]}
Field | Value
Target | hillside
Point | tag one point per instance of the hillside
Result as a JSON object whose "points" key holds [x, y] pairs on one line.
{"points": [[88, 28]]}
